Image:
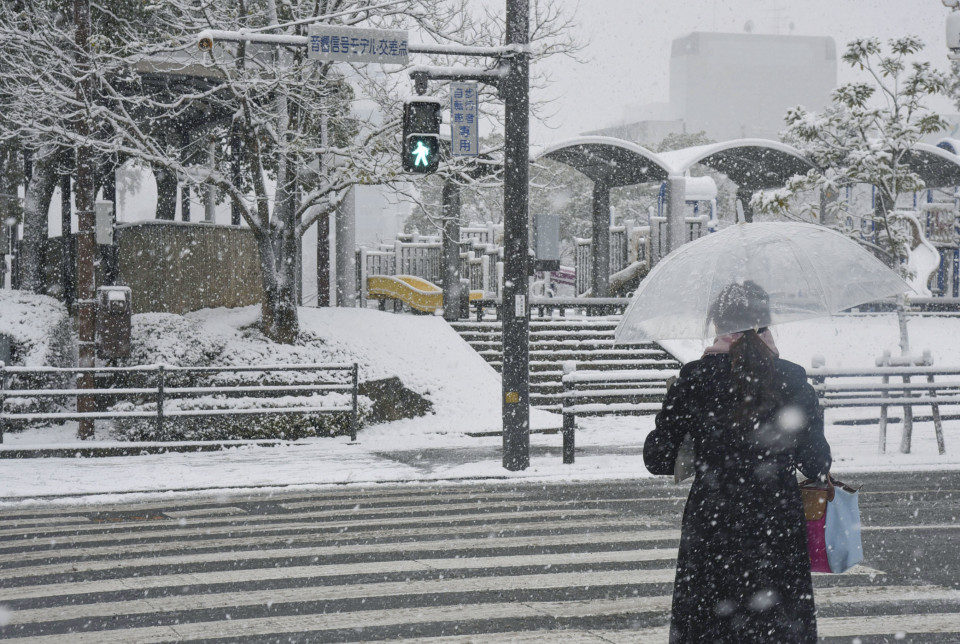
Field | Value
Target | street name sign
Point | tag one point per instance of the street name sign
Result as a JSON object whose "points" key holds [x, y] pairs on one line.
{"points": [[356, 45]]}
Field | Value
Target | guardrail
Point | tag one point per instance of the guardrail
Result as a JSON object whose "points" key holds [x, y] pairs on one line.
{"points": [[544, 306], [633, 392], [15, 383]]}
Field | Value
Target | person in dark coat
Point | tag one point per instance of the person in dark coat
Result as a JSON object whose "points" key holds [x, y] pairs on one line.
{"points": [[743, 571]]}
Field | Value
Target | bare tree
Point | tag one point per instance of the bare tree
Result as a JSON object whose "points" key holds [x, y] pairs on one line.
{"points": [[291, 135]]}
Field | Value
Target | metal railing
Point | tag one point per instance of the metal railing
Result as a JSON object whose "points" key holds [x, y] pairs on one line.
{"points": [[16, 383], [871, 387]]}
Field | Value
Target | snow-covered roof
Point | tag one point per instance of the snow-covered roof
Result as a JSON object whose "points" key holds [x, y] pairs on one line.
{"points": [[939, 167], [949, 144], [750, 163]]}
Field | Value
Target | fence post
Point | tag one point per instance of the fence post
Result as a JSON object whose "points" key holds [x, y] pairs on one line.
{"points": [[934, 411], [354, 419], [363, 270], [907, 435], [160, 399], [569, 420], [883, 415]]}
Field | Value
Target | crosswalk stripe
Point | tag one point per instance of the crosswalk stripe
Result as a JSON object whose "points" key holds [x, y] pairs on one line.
{"points": [[299, 505], [889, 625], [320, 552], [935, 526], [277, 596], [336, 570], [444, 512], [194, 537], [274, 597], [826, 627], [183, 580], [169, 530], [44, 521], [204, 512], [303, 623]]}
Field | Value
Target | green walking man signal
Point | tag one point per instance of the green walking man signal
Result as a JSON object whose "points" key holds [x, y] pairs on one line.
{"points": [[421, 134]]}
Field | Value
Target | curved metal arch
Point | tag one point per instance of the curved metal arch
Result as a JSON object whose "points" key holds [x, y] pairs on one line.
{"points": [[608, 161], [938, 165], [752, 164]]}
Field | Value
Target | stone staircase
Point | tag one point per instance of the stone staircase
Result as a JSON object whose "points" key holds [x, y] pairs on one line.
{"points": [[588, 342]]}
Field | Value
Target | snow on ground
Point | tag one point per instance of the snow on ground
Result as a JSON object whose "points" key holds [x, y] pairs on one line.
{"points": [[466, 393]]}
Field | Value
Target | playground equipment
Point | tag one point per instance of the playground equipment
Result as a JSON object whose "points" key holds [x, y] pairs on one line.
{"points": [[418, 293], [941, 223], [923, 259]]}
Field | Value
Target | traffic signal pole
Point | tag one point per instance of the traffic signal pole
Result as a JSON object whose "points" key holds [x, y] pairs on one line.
{"points": [[515, 375]]}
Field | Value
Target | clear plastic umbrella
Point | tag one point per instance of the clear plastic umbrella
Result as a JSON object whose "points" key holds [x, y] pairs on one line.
{"points": [[808, 271]]}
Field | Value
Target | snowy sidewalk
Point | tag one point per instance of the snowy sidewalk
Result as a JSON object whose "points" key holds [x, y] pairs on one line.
{"points": [[607, 449]]}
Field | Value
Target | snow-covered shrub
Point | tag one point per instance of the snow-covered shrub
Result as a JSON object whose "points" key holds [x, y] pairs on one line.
{"points": [[167, 338], [292, 426], [41, 334], [39, 329]]}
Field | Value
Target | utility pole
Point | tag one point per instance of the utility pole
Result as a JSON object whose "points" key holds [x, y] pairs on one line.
{"points": [[515, 91], [86, 219]]}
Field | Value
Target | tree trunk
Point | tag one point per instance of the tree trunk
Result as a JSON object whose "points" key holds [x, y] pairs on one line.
{"points": [[36, 207], [278, 311], [166, 194]]}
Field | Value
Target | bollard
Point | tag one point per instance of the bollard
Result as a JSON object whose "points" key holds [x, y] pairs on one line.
{"points": [[354, 418], [160, 398], [3, 398], [569, 419]]}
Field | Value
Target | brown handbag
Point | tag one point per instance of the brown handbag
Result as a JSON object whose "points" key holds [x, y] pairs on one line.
{"points": [[815, 497]]}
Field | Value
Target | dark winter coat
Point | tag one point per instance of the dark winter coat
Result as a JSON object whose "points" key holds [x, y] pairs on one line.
{"points": [[743, 572]]}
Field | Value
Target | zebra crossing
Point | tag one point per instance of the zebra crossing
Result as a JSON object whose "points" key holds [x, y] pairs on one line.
{"points": [[439, 564]]}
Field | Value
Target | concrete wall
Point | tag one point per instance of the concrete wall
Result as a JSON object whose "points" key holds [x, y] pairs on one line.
{"points": [[178, 267]]}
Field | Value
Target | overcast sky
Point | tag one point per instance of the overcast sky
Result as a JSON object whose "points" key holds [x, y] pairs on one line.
{"points": [[628, 51]]}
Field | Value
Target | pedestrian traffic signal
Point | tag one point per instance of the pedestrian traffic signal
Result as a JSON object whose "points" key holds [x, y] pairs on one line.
{"points": [[421, 134]]}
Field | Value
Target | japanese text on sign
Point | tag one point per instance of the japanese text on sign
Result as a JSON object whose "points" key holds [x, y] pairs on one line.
{"points": [[464, 117], [354, 45]]}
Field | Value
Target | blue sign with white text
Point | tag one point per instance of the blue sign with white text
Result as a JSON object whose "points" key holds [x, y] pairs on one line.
{"points": [[464, 119]]}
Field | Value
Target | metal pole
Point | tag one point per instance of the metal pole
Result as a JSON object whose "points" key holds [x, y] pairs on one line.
{"points": [[676, 217], [451, 251], [600, 253], [516, 350], [86, 228]]}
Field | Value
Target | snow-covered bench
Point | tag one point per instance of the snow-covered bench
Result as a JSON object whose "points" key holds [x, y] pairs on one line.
{"points": [[890, 385], [630, 392]]}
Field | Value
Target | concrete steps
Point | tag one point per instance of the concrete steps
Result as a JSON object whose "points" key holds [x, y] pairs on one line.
{"points": [[586, 342]]}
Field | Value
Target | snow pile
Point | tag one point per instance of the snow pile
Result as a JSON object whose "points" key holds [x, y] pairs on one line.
{"points": [[426, 355], [39, 329]]}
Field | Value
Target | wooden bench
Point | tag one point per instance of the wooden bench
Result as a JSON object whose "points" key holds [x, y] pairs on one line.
{"points": [[891, 385]]}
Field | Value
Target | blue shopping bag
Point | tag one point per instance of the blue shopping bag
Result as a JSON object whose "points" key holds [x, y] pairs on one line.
{"points": [[842, 530]]}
